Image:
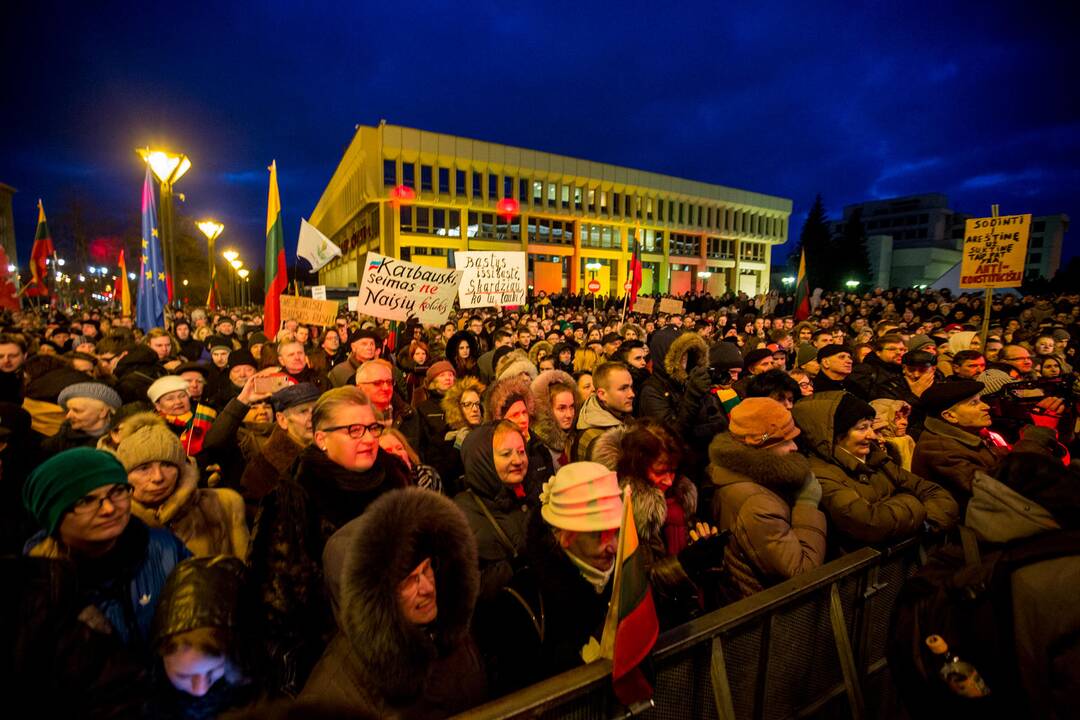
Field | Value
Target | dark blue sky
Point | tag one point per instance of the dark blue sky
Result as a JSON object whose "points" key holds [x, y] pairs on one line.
{"points": [[853, 100]]}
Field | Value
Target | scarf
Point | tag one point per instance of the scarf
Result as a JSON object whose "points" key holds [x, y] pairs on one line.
{"points": [[194, 426], [597, 578]]}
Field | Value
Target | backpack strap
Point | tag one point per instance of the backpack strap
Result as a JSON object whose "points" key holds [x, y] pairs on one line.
{"points": [[500, 534]]}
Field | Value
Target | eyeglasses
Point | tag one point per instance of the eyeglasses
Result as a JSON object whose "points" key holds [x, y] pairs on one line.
{"points": [[428, 570], [358, 430], [470, 405], [89, 505], [806, 384]]}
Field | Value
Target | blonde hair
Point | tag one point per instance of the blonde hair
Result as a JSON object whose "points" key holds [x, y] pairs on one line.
{"points": [[333, 400], [585, 360]]}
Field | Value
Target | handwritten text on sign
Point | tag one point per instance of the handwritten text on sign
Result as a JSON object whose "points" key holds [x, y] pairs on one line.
{"points": [[308, 311], [491, 278], [397, 290], [995, 249]]}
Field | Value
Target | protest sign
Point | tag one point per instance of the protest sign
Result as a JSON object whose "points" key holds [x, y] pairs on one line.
{"points": [[995, 249], [491, 278], [353, 303], [670, 306], [397, 290], [318, 292], [644, 305], [308, 311]]}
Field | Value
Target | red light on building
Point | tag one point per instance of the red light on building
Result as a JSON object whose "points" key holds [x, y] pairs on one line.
{"points": [[508, 207], [402, 195]]}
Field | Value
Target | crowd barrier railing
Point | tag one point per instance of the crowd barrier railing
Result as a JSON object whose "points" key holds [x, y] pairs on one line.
{"points": [[813, 646]]}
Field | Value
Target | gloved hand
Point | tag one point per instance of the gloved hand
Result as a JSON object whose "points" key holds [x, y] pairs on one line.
{"points": [[809, 493], [698, 381], [705, 553]]}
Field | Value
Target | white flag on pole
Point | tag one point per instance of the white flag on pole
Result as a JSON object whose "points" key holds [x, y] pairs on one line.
{"points": [[315, 247]]}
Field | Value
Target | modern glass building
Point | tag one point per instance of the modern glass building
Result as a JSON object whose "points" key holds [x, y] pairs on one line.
{"points": [[578, 220]]}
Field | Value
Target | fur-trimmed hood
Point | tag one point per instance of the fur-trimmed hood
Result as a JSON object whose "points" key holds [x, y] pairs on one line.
{"points": [[451, 402], [544, 425], [514, 363], [384, 545], [187, 486], [687, 352], [455, 340], [730, 462], [501, 392]]}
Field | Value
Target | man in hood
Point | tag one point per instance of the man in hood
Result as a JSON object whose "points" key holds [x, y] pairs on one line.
{"points": [[610, 405], [680, 378]]}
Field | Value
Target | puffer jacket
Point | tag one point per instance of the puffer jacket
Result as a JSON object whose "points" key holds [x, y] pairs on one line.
{"points": [[666, 395], [869, 502], [379, 664], [773, 539], [210, 521], [950, 456]]}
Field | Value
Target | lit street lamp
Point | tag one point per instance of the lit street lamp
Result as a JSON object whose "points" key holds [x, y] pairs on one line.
{"points": [[852, 284], [211, 229], [168, 168], [245, 296]]}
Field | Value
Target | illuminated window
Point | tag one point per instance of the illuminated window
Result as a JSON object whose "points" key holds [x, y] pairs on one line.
{"points": [[592, 200], [577, 198], [538, 193], [551, 194], [565, 195]]}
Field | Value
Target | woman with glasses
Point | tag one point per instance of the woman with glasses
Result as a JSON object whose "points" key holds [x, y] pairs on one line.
{"points": [[82, 499], [332, 482]]}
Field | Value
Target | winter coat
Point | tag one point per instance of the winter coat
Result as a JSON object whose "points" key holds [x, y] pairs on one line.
{"points": [[470, 367], [593, 420], [543, 426], [510, 512], [379, 663], [344, 373], [542, 626], [46, 417], [824, 383], [950, 456], [869, 502], [136, 372], [66, 438], [210, 521], [431, 422], [126, 582], [773, 539], [262, 473], [451, 402], [666, 395], [868, 377], [314, 499]]}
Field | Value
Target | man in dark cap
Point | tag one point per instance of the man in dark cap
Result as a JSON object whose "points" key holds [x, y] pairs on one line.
{"points": [[291, 434], [756, 362], [954, 444], [364, 345], [836, 363]]}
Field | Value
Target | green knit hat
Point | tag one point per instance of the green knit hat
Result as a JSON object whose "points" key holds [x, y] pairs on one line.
{"points": [[59, 482]]}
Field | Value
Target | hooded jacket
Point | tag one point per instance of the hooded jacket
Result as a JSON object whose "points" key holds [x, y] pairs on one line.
{"points": [[380, 664], [471, 365], [136, 372], [544, 425], [451, 402], [869, 376], [950, 456], [510, 512], [773, 539], [869, 502], [593, 420], [667, 396]]}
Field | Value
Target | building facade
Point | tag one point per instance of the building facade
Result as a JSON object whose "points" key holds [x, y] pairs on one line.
{"points": [[7, 223], [577, 220], [914, 240]]}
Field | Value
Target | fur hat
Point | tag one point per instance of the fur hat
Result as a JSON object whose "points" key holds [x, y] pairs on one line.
{"points": [[762, 422], [515, 363], [583, 497], [145, 438], [165, 385]]}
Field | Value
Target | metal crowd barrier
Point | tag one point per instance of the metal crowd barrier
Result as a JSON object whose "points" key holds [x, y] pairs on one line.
{"points": [[813, 646]]}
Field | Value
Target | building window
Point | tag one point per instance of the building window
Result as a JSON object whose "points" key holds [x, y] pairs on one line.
{"points": [[549, 231], [1036, 242], [577, 198], [1038, 226], [425, 178], [592, 200], [616, 204], [477, 186], [459, 183], [648, 208], [600, 236], [660, 210], [551, 195], [490, 226], [508, 187], [720, 248], [493, 186], [523, 191], [389, 173], [408, 175], [684, 245], [426, 220], [653, 241], [603, 202], [752, 251], [1035, 257], [564, 195], [444, 180], [538, 193]]}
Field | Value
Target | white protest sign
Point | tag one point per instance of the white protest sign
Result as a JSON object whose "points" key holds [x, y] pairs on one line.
{"points": [[491, 278], [353, 303], [397, 290], [318, 292]]}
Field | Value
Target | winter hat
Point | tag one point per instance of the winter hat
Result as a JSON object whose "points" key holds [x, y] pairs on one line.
{"points": [[1061, 335], [961, 341], [806, 353], [94, 390], [145, 438], [919, 341], [849, 411], [762, 422], [583, 497], [725, 356], [216, 342], [257, 338], [755, 356], [293, 395], [515, 363], [498, 354], [242, 357], [165, 385], [943, 395], [59, 482], [919, 357], [438, 369], [194, 366], [994, 379], [217, 578], [832, 349]]}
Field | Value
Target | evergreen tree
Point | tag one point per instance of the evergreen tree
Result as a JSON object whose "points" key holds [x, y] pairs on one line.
{"points": [[817, 242], [853, 260]]}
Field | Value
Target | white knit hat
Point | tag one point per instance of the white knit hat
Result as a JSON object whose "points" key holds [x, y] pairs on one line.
{"points": [[165, 385], [583, 497]]}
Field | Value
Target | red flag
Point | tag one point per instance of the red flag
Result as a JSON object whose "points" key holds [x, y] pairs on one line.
{"points": [[802, 291], [635, 274], [9, 299], [43, 249], [123, 290]]}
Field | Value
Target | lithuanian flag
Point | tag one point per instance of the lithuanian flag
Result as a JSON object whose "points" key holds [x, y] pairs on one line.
{"points": [[631, 628], [276, 277], [123, 291], [42, 250], [802, 291]]}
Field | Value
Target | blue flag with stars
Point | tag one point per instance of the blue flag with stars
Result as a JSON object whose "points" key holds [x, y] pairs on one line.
{"points": [[153, 295]]}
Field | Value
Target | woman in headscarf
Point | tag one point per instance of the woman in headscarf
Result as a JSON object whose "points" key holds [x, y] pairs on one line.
{"points": [[891, 425]]}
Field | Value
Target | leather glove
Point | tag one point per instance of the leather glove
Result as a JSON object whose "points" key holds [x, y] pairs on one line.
{"points": [[705, 554], [698, 381], [809, 493]]}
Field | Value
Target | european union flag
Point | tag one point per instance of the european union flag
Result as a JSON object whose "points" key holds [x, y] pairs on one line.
{"points": [[153, 295]]}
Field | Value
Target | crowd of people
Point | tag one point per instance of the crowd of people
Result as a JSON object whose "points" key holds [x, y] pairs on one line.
{"points": [[391, 520]]}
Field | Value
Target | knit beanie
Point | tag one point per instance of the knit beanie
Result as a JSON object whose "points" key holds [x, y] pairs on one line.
{"points": [[93, 390], [849, 412], [438, 369], [805, 354], [919, 341], [165, 385], [993, 380], [242, 357], [761, 422], [583, 497], [145, 438], [725, 356], [59, 482]]}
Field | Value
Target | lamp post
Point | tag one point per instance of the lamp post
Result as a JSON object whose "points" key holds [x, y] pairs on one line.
{"points": [[704, 275], [245, 294], [211, 229], [236, 266], [168, 167], [230, 256]]}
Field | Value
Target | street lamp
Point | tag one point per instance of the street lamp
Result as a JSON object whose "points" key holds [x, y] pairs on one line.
{"points": [[168, 168], [852, 284], [244, 297], [787, 280], [236, 264], [211, 229]]}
